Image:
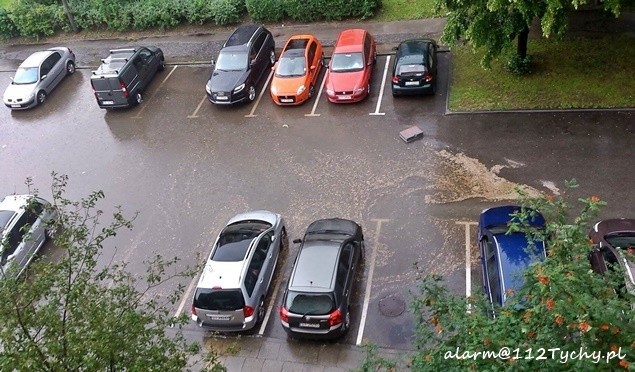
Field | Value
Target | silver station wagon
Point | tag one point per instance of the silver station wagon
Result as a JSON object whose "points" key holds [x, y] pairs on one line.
{"points": [[230, 295], [37, 76]]}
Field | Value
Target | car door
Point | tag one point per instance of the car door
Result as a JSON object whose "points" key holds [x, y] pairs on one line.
{"points": [[313, 65], [261, 58], [146, 66], [15, 248], [264, 248], [491, 275], [347, 268], [432, 62], [48, 77]]}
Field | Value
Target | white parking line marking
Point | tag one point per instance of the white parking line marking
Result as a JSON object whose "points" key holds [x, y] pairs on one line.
{"points": [[272, 301], [369, 282], [381, 92], [468, 263], [317, 98], [138, 116], [195, 113], [251, 114], [186, 295]]}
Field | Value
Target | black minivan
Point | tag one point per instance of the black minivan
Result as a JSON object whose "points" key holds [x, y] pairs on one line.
{"points": [[244, 59], [122, 77], [316, 302]]}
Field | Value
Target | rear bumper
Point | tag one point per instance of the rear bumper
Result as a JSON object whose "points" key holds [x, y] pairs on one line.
{"points": [[423, 89], [249, 324], [313, 334]]}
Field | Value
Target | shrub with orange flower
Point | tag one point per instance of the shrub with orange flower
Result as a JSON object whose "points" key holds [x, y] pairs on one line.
{"points": [[604, 327], [595, 199], [623, 363], [559, 320], [584, 327], [549, 304], [543, 280]]}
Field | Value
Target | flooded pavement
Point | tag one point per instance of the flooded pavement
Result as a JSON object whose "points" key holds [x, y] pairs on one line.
{"points": [[188, 166]]}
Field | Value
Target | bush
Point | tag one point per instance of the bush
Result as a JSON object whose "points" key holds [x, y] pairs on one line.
{"points": [[311, 10], [265, 10], [157, 13], [518, 65], [8, 29], [228, 11], [34, 20]]}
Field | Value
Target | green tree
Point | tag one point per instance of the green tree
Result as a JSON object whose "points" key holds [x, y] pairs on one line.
{"points": [[563, 305], [494, 24], [72, 314]]}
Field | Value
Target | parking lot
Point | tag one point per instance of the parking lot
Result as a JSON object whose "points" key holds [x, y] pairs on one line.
{"points": [[188, 166]]}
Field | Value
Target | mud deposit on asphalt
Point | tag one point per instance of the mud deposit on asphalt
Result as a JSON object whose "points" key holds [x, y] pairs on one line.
{"points": [[461, 177]]}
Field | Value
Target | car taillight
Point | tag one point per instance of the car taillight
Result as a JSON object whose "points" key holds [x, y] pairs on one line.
{"points": [[427, 77], [124, 90], [284, 314], [193, 310], [395, 79], [248, 311], [335, 318]]}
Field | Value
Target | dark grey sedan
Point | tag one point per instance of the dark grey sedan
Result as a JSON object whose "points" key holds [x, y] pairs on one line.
{"points": [[37, 76]]}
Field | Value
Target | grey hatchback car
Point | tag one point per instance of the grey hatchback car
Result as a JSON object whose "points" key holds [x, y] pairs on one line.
{"points": [[37, 76], [24, 224], [230, 295]]}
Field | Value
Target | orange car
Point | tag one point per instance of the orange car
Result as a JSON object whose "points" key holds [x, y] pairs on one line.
{"points": [[297, 70]]}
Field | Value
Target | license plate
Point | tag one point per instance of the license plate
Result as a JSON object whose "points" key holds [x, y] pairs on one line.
{"points": [[286, 100], [107, 102], [309, 325], [344, 97], [222, 98], [16, 106], [409, 83], [218, 317]]}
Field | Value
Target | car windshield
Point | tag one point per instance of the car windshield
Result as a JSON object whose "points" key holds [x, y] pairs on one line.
{"points": [[621, 240], [231, 60], [291, 66], [25, 75], [213, 299], [310, 303], [343, 62]]}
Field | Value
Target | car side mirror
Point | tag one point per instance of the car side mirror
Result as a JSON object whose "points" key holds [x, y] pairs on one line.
{"points": [[312, 68], [296, 241], [212, 62], [43, 77], [273, 68]]}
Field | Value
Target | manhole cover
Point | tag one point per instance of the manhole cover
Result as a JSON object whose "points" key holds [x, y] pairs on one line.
{"points": [[392, 306]]}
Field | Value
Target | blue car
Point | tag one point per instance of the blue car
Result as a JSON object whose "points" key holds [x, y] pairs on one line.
{"points": [[505, 257]]}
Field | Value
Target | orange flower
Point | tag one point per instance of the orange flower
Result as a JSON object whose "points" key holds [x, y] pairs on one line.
{"points": [[511, 360], [550, 198], [543, 279], [509, 292], [438, 328], [584, 327], [604, 327], [559, 320], [549, 304], [594, 199], [616, 330], [428, 358], [434, 320], [590, 241], [614, 348], [623, 363], [532, 334], [487, 342]]}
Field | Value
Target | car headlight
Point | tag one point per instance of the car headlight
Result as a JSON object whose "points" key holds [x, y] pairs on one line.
{"points": [[208, 89], [359, 90], [301, 89], [274, 90], [239, 88], [330, 92]]}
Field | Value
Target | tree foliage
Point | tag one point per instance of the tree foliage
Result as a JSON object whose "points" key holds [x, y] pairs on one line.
{"points": [[563, 305], [494, 24], [75, 314]]}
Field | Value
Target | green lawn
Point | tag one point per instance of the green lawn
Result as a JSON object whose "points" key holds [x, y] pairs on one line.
{"points": [[396, 10], [574, 73]]}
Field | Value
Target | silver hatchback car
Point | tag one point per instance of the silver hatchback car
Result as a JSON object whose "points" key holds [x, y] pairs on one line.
{"points": [[37, 76], [24, 223], [230, 295]]}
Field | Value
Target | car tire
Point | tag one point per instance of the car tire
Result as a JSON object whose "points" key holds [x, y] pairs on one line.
{"points": [[395, 94], [311, 91], [434, 89], [272, 57], [40, 97], [70, 68], [261, 311], [375, 59], [138, 98], [161, 65], [347, 321], [284, 240], [251, 93]]}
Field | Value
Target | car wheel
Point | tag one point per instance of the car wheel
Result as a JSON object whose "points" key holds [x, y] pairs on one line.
{"points": [[261, 311], [138, 98], [347, 321], [70, 68], [251, 95], [272, 57], [375, 59], [434, 88], [311, 91], [41, 97], [161, 65], [285, 240], [395, 94]]}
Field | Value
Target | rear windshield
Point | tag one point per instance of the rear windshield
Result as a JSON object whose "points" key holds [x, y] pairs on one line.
{"points": [[342, 62], [106, 84], [310, 303], [234, 241], [621, 240], [218, 299], [411, 69]]}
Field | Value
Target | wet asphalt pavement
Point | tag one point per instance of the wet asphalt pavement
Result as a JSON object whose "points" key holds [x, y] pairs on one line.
{"points": [[188, 166]]}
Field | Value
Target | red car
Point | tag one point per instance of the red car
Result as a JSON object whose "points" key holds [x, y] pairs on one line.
{"points": [[351, 67]]}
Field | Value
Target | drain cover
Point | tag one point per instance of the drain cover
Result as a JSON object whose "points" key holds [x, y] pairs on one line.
{"points": [[392, 306]]}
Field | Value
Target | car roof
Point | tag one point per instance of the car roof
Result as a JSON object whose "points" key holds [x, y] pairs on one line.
{"points": [[311, 277], [413, 47], [351, 40], [610, 226], [225, 275], [14, 202], [501, 216], [298, 42], [35, 59], [242, 35], [515, 257]]}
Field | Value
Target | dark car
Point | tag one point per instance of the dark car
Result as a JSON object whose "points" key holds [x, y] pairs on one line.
{"points": [[124, 75], [316, 301], [242, 62], [415, 67], [505, 257], [613, 238]]}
